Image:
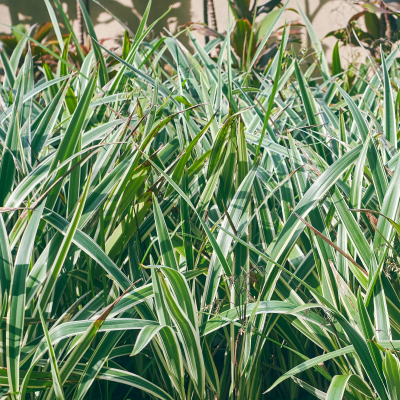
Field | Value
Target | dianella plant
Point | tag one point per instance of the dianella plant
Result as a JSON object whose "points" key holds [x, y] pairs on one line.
{"points": [[175, 228]]}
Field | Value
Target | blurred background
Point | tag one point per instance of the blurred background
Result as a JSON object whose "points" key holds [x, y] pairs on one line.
{"points": [[326, 15], [373, 22]]}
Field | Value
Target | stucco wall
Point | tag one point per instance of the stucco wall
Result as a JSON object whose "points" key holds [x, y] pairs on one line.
{"points": [[326, 15]]}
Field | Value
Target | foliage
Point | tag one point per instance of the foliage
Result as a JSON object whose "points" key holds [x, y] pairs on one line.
{"points": [[18, 41], [197, 236], [247, 33], [382, 28], [254, 43]]}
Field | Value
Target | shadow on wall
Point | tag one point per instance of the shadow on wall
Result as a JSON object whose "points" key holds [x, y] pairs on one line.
{"points": [[128, 11]]}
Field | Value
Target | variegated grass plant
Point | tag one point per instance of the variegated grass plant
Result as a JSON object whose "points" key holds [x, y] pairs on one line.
{"points": [[206, 234]]}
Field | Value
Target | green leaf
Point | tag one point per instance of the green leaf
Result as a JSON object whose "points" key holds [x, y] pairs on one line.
{"points": [[338, 385], [6, 261], [55, 24], [125, 45], [186, 230], [389, 118], [9, 73], [368, 331], [272, 95], [391, 369], [127, 378], [145, 336], [18, 51], [16, 310], [336, 64], [10, 150], [71, 137], [311, 363], [167, 250], [57, 384], [189, 339], [358, 175], [317, 44], [103, 74], [264, 40], [241, 39], [70, 30], [49, 119]]}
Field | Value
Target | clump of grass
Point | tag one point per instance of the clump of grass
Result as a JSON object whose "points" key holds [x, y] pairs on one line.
{"points": [[205, 235]]}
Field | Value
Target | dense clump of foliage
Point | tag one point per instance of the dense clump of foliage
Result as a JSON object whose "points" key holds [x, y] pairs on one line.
{"points": [[173, 227]]}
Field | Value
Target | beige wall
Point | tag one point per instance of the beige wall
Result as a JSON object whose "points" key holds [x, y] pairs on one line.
{"points": [[326, 15]]}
